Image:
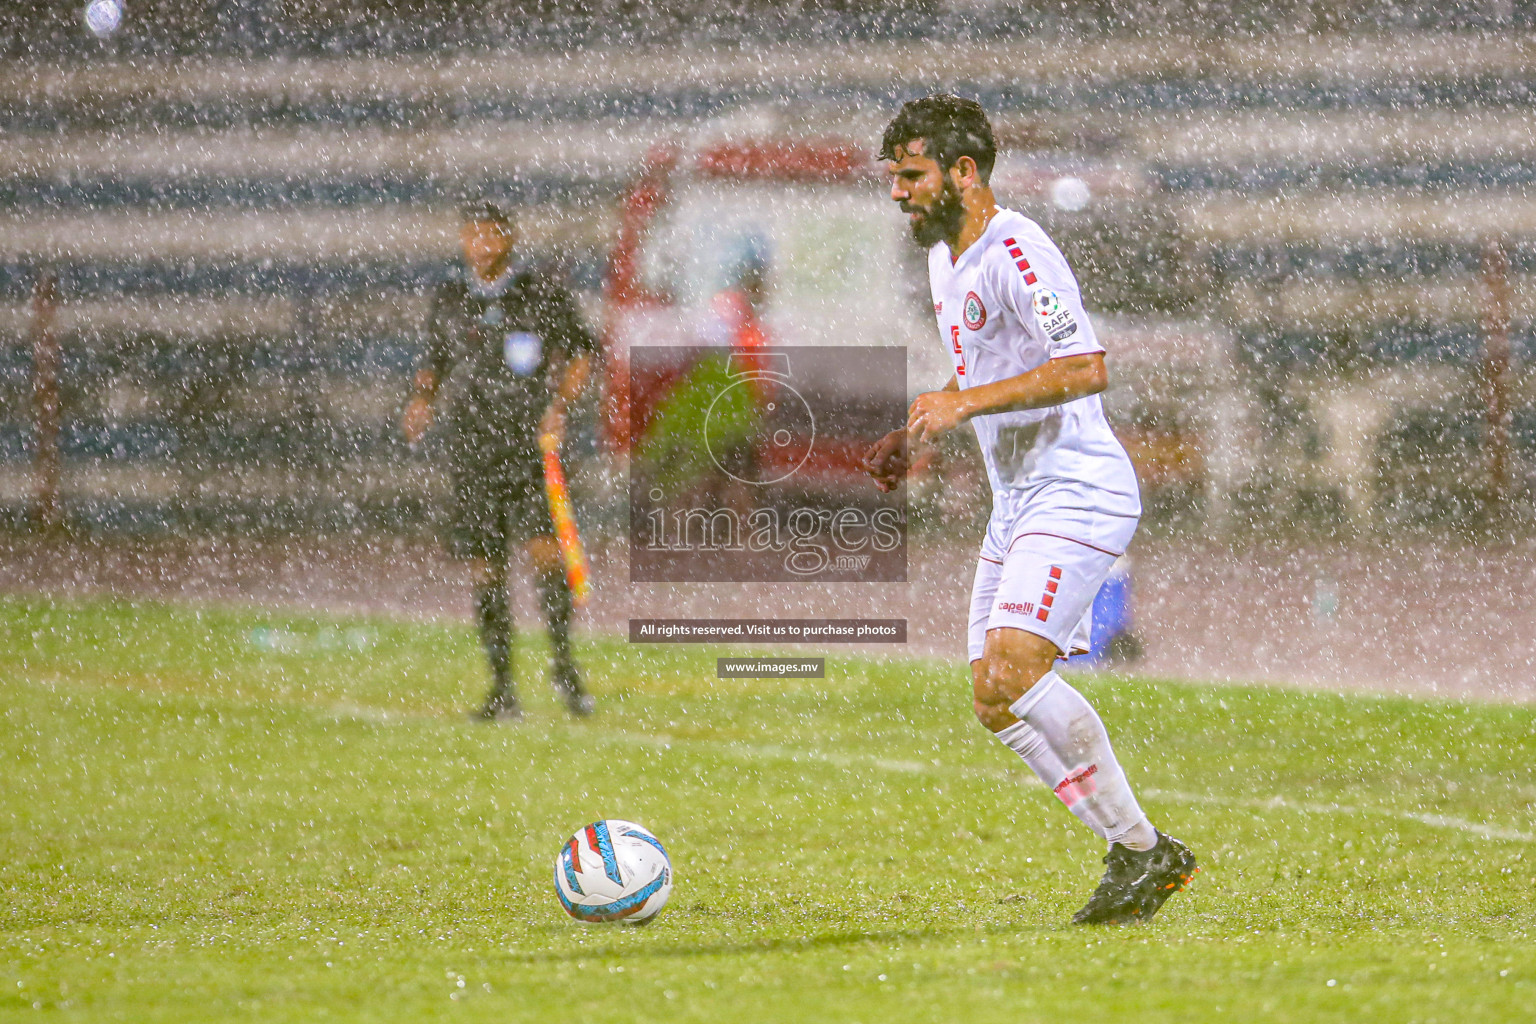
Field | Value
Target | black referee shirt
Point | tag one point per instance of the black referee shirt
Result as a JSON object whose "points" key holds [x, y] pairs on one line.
{"points": [[495, 347]]}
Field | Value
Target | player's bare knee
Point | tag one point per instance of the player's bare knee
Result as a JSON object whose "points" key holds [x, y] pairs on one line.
{"points": [[1017, 659], [984, 694], [996, 717], [990, 699], [999, 683], [1003, 675]]}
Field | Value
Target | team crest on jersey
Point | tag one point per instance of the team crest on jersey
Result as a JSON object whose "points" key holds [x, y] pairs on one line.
{"points": [[1056, 319], [974, 312], [523, 352]]}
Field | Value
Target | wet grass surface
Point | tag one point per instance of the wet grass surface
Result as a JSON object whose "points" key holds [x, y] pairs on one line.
{"points": [[214, 814]]}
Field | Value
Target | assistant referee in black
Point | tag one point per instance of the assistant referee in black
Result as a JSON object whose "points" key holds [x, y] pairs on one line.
{"points": [[507, 344]]}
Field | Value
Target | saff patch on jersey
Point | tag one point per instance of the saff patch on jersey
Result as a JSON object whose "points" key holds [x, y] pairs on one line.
{"points": [[523, 352], [1055, 318], [974, 313]]}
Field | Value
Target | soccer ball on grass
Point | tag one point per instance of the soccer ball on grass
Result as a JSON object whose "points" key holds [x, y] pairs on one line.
{"points": [[613, 871]]}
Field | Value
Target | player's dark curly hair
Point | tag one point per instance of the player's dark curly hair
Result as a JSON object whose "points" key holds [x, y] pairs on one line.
{"points": [[951, 127], [486, 212]]}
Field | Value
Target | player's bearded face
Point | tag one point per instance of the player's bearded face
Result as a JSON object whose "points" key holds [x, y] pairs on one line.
{"points": [[486, 246], [939, 219]]}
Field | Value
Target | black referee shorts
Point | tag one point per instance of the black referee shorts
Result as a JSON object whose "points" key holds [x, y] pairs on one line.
{"points": [[496, 503]]}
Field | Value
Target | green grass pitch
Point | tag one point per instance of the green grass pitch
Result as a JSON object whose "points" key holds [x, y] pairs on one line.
{"points": [[218, 814]]}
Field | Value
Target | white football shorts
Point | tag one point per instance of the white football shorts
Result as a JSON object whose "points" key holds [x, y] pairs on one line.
{"points": [[1045, 584]]}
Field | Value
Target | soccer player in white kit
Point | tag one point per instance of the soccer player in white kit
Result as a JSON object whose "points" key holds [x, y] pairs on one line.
{"points": [[1028, 370]]}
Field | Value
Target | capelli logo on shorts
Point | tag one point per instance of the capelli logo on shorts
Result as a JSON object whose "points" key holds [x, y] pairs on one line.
{"points": [[1016, 607]]}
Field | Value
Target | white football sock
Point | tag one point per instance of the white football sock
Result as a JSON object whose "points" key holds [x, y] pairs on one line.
{"points": [[1063, 741], [1030, 745]]}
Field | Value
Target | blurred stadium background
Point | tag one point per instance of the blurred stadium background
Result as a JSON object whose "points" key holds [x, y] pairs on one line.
{"points": [[1309, 225], [244, 204]]}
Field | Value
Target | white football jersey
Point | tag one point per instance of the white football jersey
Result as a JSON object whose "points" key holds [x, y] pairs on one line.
{"points": [[1006, 306]]}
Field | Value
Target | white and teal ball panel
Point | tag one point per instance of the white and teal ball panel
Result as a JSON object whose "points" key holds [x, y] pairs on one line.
{"points": [[613, 871]]}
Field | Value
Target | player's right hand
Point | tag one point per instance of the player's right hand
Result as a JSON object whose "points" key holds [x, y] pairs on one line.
{"points": [[417, 418], [886, 460]]}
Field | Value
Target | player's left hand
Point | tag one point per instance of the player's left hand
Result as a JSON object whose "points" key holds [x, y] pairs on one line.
{"points": [[886, 460], [935, 413]]}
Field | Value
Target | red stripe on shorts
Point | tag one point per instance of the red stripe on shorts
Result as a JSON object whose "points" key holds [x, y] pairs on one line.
{"points": [[1058, 536]]}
